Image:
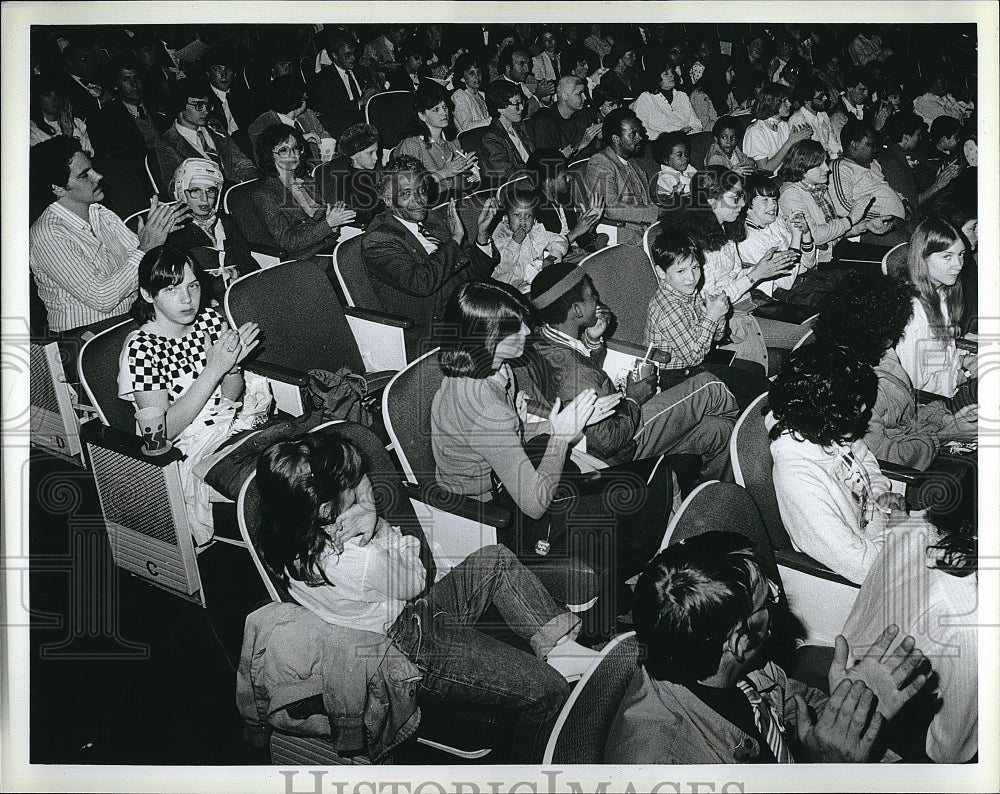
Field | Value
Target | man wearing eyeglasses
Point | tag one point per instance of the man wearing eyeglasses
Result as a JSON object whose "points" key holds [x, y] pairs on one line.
{"points": [[708, 691], [189, 136]]}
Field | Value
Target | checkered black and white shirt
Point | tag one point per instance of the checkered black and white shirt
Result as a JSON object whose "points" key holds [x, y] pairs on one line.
{"points": [[150, 362]]}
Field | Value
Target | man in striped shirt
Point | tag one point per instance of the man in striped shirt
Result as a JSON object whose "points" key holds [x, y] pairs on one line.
{"points": [[83, 257]]}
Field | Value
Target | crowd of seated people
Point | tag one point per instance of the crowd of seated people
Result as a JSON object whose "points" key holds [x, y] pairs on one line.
{"points": [[781, 165]]}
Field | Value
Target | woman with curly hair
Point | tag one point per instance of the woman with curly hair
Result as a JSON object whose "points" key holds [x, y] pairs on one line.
{"points": [[869, 314], [834, 500], [289, 201]]}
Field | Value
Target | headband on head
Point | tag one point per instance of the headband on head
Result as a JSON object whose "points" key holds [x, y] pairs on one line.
{"points": [[196, 170], [560, 288]]}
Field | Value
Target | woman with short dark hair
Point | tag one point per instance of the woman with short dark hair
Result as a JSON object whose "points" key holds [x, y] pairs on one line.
{"points": [[443, 159], [184, 359]]}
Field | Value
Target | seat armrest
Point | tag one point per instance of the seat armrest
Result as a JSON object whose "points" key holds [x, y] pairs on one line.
{"points": [[798, 561], [277, 372], [128, 444], [394, 320], [903, 474], [463, 506], [267, 249], [784, 312]]}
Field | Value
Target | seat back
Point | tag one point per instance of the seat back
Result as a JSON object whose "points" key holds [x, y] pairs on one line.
{"points": [[699, 144], [647, 244], [750, 452], [718, 505], [390, 112], [509, 185], [391, 500], [577, 172], [471, 140], [622, 276], [98, 368], [55, 425], [352, 274], [302, 324], [581, 731], [237, 202], [153, 173], [895, 260], [406, 410]]}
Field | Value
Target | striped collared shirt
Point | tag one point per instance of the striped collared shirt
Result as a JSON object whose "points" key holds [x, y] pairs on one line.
{"points": [[85, 272]]}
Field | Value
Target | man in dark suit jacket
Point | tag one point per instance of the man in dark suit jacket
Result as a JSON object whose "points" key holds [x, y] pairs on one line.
{"points": [[232, 109], [415, 260], [124, 133], [83, 87], [414, 54], [337, 92], [189, 136]]}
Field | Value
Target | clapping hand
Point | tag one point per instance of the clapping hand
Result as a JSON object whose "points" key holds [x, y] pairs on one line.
{"points": [[892, 678], [338, 214], [568, 422], [774, 263], [716, 306], [161, 221], [589, 219], [230, 348], [843, 732], [485, 219]]}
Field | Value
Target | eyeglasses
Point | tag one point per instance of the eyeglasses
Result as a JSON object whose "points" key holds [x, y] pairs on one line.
{"points": [[199, 104], [516, 103], [287, 151], [211, 193]]}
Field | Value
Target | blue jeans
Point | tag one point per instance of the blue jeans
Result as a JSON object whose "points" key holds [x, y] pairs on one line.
{"points": [[463, 664]]}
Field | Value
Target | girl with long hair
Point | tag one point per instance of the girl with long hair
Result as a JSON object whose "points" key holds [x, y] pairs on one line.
{"points": [[927, 350]]}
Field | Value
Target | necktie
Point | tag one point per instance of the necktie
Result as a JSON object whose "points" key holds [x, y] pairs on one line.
{"points": [[209, 146], [426, 234], [355, 88], [142, 112], [767, 723]]}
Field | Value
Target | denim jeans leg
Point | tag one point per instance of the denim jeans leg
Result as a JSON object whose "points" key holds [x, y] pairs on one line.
{"points": [[494, 575], [461, 664]]}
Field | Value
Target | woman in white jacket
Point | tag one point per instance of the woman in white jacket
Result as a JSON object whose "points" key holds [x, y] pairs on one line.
{"points": [[835, 502]]}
